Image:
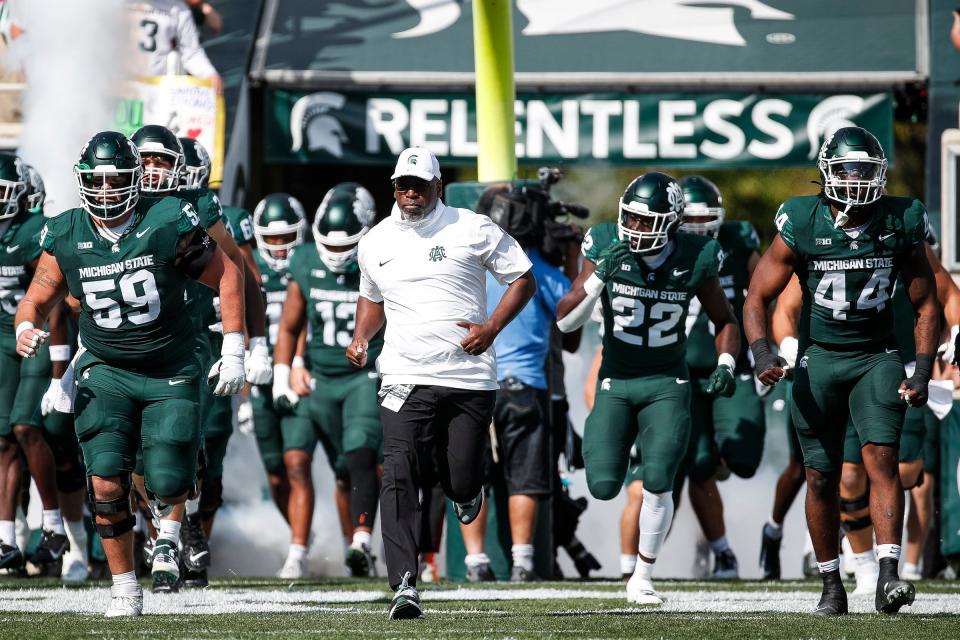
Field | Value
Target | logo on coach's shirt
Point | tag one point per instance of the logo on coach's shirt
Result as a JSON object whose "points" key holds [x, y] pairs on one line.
{"points": [[437, 254]]}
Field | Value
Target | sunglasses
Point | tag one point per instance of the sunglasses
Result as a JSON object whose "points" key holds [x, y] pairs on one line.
{"points": [[406, 183]]}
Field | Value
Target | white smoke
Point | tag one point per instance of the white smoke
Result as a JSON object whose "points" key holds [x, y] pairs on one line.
{"points": [[74, 57]]}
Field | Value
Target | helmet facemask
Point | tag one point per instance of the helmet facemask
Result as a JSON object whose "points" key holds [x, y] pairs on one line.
{"points": [[701, 219], [12, 194], [195, 177], [337, 261], [101, 197], [854, 180], [277, 254], [648, 232], [158, 179]]}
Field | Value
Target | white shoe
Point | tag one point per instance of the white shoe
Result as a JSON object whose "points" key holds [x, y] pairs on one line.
{"points": [[293, 569], [75, 569], [848, 565], [125, 604], [867, 575], [641, 591], [911, 572]]}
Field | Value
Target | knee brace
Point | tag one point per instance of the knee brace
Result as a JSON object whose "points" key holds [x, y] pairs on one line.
{"points": [[850, 507], [211, 497], [112, 506]]}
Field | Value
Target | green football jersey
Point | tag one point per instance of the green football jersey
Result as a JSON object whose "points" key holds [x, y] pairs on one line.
{"points": [[274, 285], [206, 203], [847, 281], [133, 313], [200, 298], [738, 240], [331, 309], [19, 249], [239, 223], [643, 309]]}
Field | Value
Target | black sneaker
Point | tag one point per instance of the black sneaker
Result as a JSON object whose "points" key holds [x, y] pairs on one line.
{"points": [[480, 573], [406, 602], [10, 557], [833, 599], [725, 566], [194, 579], [360, 561], [892, 592], [51, 548], [519, 574], [770, 556], [195, 551]]}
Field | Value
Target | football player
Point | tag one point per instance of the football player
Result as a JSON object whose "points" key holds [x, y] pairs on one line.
{"points": [[342, 408], [127, 261], [646, 274], [848, 245], [726, 433], [23, 382]]}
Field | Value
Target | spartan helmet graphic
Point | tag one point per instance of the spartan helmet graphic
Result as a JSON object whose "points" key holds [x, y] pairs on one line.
{"points": [[310, 117]]}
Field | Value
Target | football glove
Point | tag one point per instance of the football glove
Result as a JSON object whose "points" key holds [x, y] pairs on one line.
{"points": [[948, 350], [611, 259], [789, 349], [721, 382], [50, 397], [245, 415], [227, 374], [257, 363], [285, 399]]}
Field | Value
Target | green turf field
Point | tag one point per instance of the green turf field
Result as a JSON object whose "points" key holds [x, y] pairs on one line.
{"points": [[341, 608]]}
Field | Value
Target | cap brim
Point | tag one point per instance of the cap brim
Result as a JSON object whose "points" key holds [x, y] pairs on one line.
{"points": [[423, 175]]}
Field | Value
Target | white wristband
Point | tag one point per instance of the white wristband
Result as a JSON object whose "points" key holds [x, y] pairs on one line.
{"points": [[26, 325], [727, 360], [59, 352], [258, 341], [593, 285], [298, 362], [232, 344], [281, 375]]}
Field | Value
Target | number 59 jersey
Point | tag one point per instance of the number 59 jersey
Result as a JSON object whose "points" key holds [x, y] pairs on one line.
{"points": [[848, 280], [644, 310], [133, 313]]}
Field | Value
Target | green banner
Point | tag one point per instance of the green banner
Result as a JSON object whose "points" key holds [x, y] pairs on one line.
{"points": [[715, 130], [949, 485]]}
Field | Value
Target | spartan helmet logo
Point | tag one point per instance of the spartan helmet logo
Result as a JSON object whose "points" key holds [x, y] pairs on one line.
{"points": [[310, 117], [675, 196]]}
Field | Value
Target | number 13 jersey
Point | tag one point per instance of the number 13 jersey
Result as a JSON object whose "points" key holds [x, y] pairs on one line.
{"points": [[644, 310], [133, 313], [848, 279]]}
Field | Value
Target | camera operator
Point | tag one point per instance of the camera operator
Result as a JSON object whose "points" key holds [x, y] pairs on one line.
{"points": [[521, 415]]}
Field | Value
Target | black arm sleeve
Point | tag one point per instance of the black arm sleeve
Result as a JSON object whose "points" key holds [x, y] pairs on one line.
{"points": [[194, 252]]}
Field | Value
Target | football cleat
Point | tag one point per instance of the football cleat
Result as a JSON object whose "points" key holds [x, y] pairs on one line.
{"points": [[148, 545], [74, 569], [866, 576], [360, 562], [833, 599], [195, 579], [51, 548], [293, 569], [725, 566], [480, 573], [196, 551], [893, 594], [770, 556], [165, 567], [640, 591], [406, 601], [10, 557], [123, 604], [520, 574], [467, 511]]}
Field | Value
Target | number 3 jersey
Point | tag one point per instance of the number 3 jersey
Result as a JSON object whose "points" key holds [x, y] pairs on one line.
{"points": [[331, 302], [848, 278], [644, 310], [133, 313]]}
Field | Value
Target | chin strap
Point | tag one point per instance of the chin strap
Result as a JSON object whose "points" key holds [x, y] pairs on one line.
{"points": [[843, 217]]}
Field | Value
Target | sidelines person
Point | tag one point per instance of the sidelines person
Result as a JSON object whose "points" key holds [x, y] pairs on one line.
{"points": [[423, 273], [127, 261]]}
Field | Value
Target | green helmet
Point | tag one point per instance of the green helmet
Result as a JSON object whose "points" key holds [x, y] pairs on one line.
{"points": [[650, 211], [279, 215], [345, 214], [108, 174], [13, 185], [853, 167], [157, 140], [703, 206], [197, 164], [36, 192]]}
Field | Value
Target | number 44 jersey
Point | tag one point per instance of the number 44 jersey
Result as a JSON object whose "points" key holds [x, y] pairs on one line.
{"points": [[848, 278], [644, 310], [133, 313]]}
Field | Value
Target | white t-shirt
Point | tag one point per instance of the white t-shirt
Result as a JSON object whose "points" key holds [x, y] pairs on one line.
{"points": [[164, 26], [429, 278]]}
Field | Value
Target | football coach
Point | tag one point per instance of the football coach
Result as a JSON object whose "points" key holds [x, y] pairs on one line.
{"points": [[423, 272]]}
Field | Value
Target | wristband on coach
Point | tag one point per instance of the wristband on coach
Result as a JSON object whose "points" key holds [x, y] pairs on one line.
{"points": [[26, 325], [59, 352]]}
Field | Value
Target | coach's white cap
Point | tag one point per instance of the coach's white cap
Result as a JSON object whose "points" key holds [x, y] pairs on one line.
{"points": [[418, 162]]}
